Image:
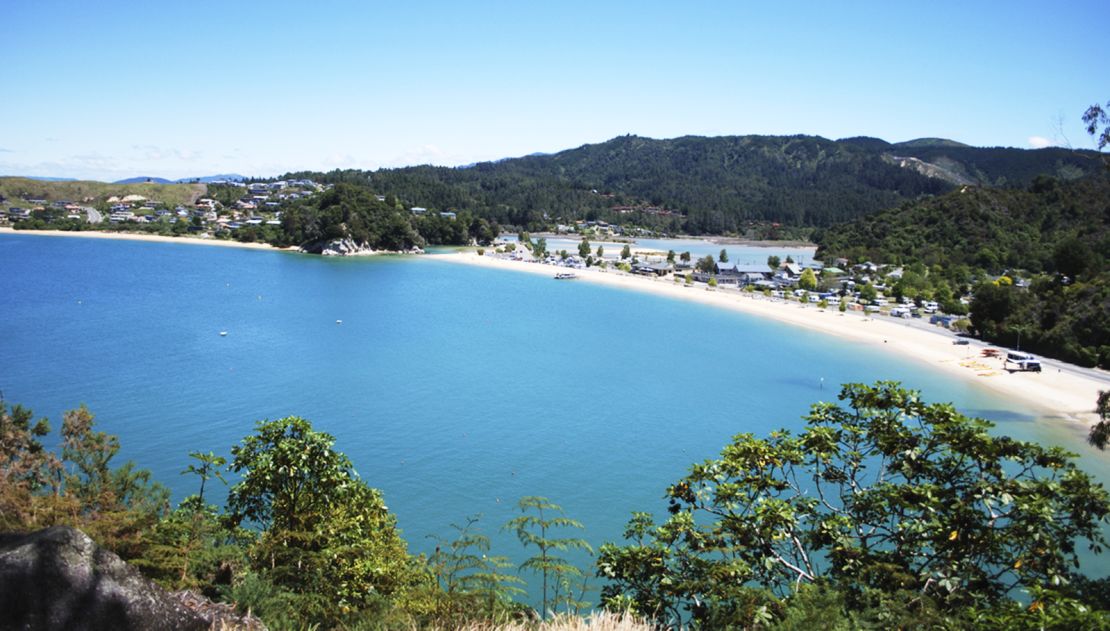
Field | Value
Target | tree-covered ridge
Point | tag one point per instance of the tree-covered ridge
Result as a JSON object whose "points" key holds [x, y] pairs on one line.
{"points": [[988, 228], [352, 212], [713, 184], [1036, 260]]}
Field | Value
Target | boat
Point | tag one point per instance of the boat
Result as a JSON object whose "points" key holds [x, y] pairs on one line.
{"points": [[565, 276], [223, 333]]}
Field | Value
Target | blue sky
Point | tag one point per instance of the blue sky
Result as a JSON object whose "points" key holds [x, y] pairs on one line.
{"points": [[113, 89]]}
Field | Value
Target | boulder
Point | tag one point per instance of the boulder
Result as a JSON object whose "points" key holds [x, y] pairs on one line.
{"points": [[58, 578], [337, 247]]}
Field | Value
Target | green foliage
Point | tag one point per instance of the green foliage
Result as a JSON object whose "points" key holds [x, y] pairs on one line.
{"points": [[712, 281], [626, 252], [720, 185], [773, 262], [1070, 321], [706, 264], [562, 580], [991, 229], [584, 248], [469, 582], [723, 256], [325, 532], [1099, 435], [348, 212], [887, 494], [867, 292], [808, 280], [1097, 121], [81, 488]]}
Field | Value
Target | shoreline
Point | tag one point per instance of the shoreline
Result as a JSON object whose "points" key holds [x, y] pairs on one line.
{"points": [[151, 238], [1055, 392]]}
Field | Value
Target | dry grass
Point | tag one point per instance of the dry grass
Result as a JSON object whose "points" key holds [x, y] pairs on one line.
{"points": [[600, 621]]}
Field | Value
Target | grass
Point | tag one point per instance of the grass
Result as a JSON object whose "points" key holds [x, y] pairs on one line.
{"points": [[599, 621], [15, 189]]}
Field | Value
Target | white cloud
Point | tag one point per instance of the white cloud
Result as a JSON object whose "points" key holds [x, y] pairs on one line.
{"points": [[1040, 142]]}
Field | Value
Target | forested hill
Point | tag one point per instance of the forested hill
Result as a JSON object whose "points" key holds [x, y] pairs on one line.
{"points": [[716, 185], [995, 230], [1055, 235]]}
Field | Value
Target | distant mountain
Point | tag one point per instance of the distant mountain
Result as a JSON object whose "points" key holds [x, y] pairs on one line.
{"points": [[144, 180], [930, 142], [185, 180], [715, 185]]}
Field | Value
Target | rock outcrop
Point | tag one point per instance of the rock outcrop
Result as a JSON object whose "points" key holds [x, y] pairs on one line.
{"points": [[337, 247], [58, 578]]}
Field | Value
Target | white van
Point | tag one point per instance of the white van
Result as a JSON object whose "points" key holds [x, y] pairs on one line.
{"points": [[1022, 362]]}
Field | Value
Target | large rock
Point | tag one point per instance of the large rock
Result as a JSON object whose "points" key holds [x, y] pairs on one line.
{"points": [[58, 578], [337, 247]]}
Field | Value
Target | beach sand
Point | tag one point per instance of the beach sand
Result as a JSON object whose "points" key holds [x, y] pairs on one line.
{"points": [[133, 236], [1059, 391]]}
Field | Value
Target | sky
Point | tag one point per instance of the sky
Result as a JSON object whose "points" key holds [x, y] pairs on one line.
{"points": [[108, 90]]}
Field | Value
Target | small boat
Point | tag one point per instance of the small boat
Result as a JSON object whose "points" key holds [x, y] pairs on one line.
{"points": [[565, 276], [339, 322], [223, 333]]}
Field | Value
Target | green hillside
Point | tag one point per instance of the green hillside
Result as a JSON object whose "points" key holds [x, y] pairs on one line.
{"points": [[715, 185], [15, 190], [991, 229], [1055, 235]]}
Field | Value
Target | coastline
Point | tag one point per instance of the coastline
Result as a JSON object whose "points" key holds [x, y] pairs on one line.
{"points": [[153, 238], [1055, 392]]}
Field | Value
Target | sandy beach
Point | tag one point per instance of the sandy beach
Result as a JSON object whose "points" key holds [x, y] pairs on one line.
{"points": [[1061, 390], [133, 236]]}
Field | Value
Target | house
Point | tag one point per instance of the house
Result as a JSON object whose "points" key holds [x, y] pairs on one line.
{"points": [[447, 214], [18, 214], [657, 269], [418, 210]]}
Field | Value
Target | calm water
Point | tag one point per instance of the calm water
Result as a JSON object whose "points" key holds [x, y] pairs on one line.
{"points": [[698, 248], [454, 389]]}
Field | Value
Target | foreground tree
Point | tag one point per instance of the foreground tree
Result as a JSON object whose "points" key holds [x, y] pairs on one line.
{"points": [[1097, 120], [1099, 435], [887, 493], [325, 532], [534, 529], [469, 582]]}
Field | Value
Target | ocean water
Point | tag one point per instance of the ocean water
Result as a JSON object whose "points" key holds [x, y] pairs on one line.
{"points": [[456, 390], [698, 248]]}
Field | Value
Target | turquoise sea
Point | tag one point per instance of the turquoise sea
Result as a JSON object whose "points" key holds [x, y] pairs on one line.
{"points": [[454, 389]]}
